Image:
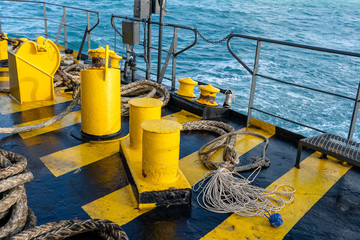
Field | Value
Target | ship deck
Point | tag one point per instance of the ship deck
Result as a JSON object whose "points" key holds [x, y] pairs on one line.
{"points": [[80, 180]]}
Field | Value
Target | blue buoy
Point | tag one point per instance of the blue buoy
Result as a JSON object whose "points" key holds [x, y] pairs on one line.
{"points": [[275, 219]]}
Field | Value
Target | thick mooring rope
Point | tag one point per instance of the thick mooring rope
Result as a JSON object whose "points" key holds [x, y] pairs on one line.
{"points": [[141, 89], [226, 140], [43, 124], [107, 230], [225, 190], [17, 221], [14, 212]]}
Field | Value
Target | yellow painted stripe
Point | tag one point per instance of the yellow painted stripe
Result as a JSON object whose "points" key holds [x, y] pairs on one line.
{"points": [[69, 159], [192, 167], [182, 117], [119, 207], [8, 105], [311, 182], [70, 119]]}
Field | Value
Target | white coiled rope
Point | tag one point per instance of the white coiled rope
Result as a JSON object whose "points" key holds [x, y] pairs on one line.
{"points": [[222, 191]]}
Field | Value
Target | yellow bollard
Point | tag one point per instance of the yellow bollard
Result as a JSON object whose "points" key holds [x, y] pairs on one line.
{"points": [[186, 88], [160, 153], [207, 95], [142, 109], [100, 98]]}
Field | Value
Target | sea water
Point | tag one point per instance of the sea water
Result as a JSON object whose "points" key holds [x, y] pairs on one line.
{"points": [[322, 23]]}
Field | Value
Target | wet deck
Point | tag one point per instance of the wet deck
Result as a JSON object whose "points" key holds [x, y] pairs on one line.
{"points": [[74, 179]]}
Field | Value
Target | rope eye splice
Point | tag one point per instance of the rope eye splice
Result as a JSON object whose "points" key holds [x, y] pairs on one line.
{"points": [[225, 190]]}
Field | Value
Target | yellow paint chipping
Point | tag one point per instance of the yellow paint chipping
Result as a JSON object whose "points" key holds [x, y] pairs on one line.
{"points": [[311, 182]]}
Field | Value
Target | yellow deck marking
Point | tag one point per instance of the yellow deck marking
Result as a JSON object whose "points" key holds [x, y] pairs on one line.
{"points": [[182, 117], [9, 105], [70, 119], [69, 159], [192, 167], [119, 207], [311, 182]]}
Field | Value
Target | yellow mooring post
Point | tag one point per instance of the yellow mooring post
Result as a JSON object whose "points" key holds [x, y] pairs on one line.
{"points": [[186, 88], [142, 109], [100, 97], [160, 153], [32, 66], [207, 95]]}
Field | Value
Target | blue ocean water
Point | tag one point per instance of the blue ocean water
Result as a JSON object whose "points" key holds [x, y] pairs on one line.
{"points": [[323, 23]]}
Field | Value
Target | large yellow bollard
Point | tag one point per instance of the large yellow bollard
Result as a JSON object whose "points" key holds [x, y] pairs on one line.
{"points": [[160, 152], [142, 109], [100, 99]]}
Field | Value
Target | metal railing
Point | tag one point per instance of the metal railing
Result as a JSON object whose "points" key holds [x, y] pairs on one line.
{"points": [[171, 53], [63, 24], [255, 74]]}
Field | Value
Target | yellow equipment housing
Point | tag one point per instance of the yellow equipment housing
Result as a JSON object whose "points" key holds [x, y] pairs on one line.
{"points": [[3, 49], [32, 66]]}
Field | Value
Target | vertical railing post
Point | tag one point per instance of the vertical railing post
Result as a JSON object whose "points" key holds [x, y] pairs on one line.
{"points": [[45, 21], [89, 34], [0, 25], [114, 41], [65, 28], [148, 65], [354, 115], [253, 83], [173, 75], [160, 39]]}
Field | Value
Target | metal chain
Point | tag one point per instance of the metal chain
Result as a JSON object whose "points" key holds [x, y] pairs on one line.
{"points": [[214, 42]]}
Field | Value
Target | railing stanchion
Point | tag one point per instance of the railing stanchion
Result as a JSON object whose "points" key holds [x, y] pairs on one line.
{"points": [[354, 114], [160, 40], [65, 28], [173, 74], [45, 21], [88, 27], [253, 83]]}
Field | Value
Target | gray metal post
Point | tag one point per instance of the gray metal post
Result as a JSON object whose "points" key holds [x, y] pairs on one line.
{"points": [[160, 40], [65, 28], [148, 66], [45, 21], [173, 75], [114, 41], [354, 115], [88, 27], [59, 30], [253, 83], [0, 25]]}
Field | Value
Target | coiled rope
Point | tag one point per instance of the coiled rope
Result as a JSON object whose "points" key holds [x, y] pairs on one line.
{"points": [[14, 211], [17, 221], [224, 189]]}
